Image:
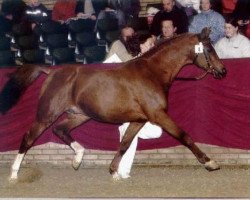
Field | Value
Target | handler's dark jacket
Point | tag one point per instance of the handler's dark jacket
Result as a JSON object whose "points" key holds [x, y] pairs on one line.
{"points": [[177, 15]]}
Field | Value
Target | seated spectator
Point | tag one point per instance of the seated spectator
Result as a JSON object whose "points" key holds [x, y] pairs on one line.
{"points": [[118, 47], [170, 11], [217, 6], [151, 12], [208, 18], [121, 10], [13, 10], [36, 13], [242, 14], [168, 30], [139, 44], [64, 10], [228, 7], [233, 45], [85, 10], [131, 8], [191, 7]]}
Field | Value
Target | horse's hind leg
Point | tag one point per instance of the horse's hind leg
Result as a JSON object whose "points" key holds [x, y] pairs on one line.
{"points": [[168, 125], [27, 142], [63, 129], [127, 139]]}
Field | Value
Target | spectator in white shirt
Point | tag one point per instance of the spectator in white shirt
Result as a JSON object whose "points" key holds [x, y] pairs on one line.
{"points": [[234, 44]]}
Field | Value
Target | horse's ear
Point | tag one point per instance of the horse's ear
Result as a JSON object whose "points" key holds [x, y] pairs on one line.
{"points": [[204, 35]]}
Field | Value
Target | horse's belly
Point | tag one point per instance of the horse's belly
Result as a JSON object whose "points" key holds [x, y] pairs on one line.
{"points": [[112, 111]]}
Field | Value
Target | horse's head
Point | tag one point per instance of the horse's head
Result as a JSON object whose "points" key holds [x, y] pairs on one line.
{"points": [[206, 57]]}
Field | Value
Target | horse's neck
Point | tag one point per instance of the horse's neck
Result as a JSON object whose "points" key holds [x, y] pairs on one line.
{"points": [[169, 66]]}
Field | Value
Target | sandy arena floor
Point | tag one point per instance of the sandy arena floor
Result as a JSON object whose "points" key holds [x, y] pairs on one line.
{"points": [[48, 181]]}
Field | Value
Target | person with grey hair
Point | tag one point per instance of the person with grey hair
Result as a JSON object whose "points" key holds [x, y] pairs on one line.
{"points": [[208, 18]]}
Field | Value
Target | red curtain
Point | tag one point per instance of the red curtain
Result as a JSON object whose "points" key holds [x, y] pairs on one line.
{"points": [[212, 111]]}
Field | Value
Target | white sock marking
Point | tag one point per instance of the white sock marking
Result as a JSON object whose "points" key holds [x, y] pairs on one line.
{"points": [[16, 166], [79, 150]]}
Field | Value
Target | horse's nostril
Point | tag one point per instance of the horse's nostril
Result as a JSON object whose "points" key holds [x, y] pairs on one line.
{"points": [[224, 71]]}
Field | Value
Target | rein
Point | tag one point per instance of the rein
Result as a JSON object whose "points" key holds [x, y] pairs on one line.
{"points": [[198, 51], [192, 78]]}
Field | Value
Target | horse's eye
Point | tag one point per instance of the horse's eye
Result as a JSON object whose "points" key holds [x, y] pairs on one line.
{"points": [[209, 50]]}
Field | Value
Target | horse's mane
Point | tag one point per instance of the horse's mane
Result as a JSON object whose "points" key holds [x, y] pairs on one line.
{"points": [[165, 42]]}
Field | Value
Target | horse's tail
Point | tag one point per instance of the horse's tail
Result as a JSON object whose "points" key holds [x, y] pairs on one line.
{"points": [[17, 84]]}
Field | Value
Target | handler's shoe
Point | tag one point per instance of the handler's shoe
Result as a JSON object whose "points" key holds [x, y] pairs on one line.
{"points": [[124, 176]]}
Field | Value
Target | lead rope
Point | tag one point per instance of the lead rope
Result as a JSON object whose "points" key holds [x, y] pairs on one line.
{"points": [[192, 78]]}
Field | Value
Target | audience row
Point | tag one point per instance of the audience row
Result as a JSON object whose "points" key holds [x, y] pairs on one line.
{"points": [[229, 23]]}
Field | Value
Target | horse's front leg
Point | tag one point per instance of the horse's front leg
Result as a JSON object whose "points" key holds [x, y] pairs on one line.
{"points": [[127, 139], [169, 126]]}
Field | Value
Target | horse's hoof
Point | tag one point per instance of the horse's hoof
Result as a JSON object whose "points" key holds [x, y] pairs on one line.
{"points": [[116, 176], [77, 160], [211, 165], [76, 165], [13, 176], [12, 179]]}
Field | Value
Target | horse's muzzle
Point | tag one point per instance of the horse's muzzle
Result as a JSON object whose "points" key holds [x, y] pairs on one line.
{"points": [[219, 74]]}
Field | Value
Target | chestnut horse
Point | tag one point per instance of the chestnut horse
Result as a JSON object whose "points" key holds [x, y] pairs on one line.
{"points": [[134, 92]]}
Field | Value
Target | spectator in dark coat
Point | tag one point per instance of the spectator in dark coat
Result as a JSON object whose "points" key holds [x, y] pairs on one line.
{"points": [[122, 10], [242, 11], [85, 9], [242, 14], [36, 12], [13, 10], [170, 11]]}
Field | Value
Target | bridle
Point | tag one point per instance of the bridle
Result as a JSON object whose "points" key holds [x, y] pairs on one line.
{"points": [[199, 50]]}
